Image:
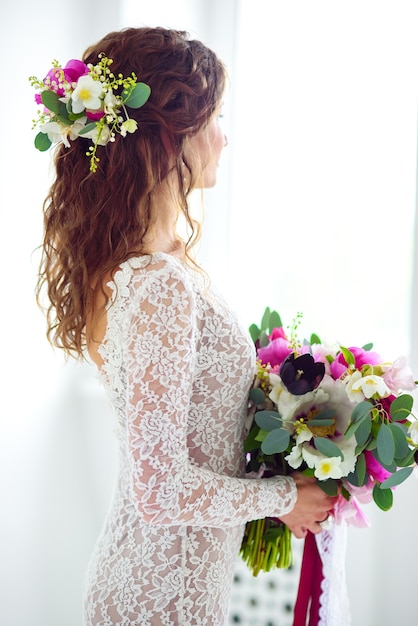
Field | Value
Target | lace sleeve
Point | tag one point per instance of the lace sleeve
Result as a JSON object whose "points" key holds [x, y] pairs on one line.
{"points": [[168, 488]]}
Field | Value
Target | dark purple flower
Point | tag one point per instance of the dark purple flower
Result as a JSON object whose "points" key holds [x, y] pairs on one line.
{"points": [[301, 374]]}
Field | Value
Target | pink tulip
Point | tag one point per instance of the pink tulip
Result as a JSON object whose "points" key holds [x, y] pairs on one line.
{"points": [[275, 352]]}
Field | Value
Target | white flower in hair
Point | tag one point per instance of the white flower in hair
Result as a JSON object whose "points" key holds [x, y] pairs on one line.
{"points": [[86, 101], [86, 95]]}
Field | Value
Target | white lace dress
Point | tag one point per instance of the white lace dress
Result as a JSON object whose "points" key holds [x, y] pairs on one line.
{"points": [[178, 369]]}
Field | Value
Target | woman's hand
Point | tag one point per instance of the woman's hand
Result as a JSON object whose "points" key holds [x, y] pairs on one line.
{"points": [[312, 507]]}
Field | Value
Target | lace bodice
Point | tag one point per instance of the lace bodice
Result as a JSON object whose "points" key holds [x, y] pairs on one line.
{"points": [[178, 369]]}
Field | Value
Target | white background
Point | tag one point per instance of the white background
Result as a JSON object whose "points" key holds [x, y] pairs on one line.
{"points": [[314, 212]]}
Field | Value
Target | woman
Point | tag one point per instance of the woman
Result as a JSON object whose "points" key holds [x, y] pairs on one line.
{"points": [[176, 364]]}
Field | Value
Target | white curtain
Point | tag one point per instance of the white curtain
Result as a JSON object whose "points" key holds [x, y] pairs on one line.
{"points": [[314, 212]]}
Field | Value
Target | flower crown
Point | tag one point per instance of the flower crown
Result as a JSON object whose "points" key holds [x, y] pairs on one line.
{"points": [[79, 100]]}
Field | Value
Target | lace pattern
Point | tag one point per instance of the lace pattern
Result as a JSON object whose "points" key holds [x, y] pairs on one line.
{"points": [[178, 369], [334, 603]]}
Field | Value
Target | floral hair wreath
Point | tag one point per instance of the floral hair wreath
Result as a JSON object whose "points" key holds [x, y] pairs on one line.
{"points": [[80, 100]]}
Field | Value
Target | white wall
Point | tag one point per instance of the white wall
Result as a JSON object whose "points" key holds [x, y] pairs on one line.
{"points": [[304, 78]]}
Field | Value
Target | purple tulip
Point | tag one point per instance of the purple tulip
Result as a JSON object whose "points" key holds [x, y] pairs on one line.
{"points": [[301, 374]]}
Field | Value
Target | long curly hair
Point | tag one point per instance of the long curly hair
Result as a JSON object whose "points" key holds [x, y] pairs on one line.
{"points": [[95, 221]]}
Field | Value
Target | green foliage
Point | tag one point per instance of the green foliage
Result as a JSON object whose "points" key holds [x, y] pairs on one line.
{"points": [[326, 417], [401, 407], [264, 340], [361, 412], [265, 319], [269, 321], [51, 101], [385, 444], [136, 96], [251, 442], [359, 477], [383, 498], [397, 478], [257, 395], [399, 433], [276, 441], [268, 420], [42, 142], [349, 356], [327, 447], [87, 128], [254, 332], [367, 347], [314, 339], [274, 321], [329, 486]]}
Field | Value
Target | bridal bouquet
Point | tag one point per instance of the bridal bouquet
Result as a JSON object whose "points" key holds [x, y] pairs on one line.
{"points": [[338, 413]]}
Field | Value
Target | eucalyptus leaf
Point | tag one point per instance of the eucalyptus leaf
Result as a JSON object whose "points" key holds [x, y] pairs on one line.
{"points": [[367, 347], [276, 441], [51, 101], [314, 339], [397, 478], [64, 120], [361, 411], [351, 430], [409, 459], [257, 395], [325, 414], [363, 432], [383, 498], [401, 407], [329, 486], [87, 128], [265, 319], [386, 444], [75, 116], [268, 420], [390, 467], [327, 448], [42, 142], [317, 421], [399, 433], [254, 332], [274, 321], [360, 469], [264, 340], [353, 479], [137, 96]]}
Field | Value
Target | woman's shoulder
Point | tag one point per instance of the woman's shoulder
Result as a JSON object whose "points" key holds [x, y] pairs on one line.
{"points": [[146, 272]]}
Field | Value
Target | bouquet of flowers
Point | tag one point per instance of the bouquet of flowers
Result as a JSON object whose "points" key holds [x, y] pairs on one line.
{"points": [[338, 413]]}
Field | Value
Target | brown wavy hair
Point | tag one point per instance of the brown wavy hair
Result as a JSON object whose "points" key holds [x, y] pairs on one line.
{"points": [[95, 221]]}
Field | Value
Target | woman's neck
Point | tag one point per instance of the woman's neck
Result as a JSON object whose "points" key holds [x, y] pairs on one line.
{"points": [[162, 233]]}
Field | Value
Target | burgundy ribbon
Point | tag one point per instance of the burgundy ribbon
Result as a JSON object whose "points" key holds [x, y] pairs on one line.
{"points": [[309, 590]]}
